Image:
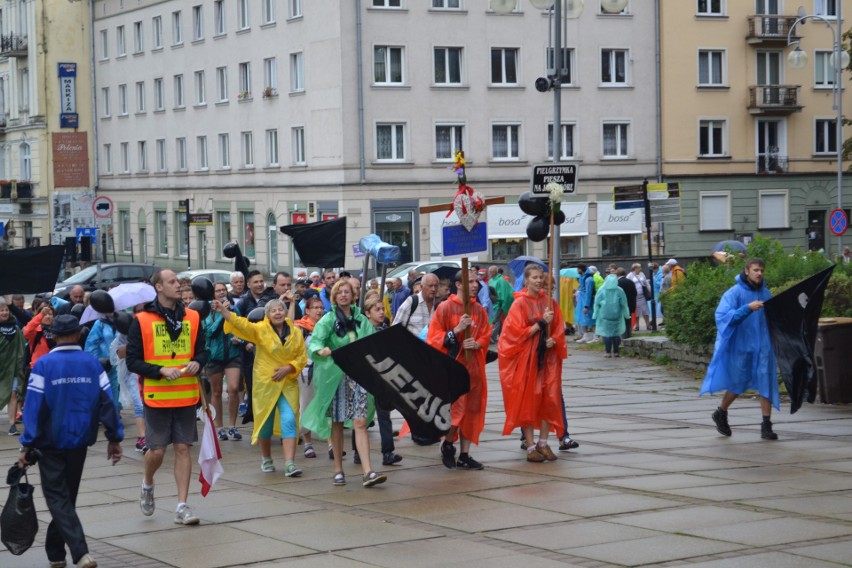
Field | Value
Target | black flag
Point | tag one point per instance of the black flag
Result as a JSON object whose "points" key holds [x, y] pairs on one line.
{"points": [[399, 369], [320, 244], [30, 271], [793, 319]]}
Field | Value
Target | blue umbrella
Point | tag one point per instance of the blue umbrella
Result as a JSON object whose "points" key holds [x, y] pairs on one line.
{"points": [[734, 246], [518, 265]]}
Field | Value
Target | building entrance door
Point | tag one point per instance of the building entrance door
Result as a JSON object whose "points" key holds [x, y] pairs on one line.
{"points": [[816, 229]]}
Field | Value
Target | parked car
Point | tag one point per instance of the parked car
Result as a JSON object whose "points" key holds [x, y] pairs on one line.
{"points": [[210, 273], [401, 271], [104, 276]]}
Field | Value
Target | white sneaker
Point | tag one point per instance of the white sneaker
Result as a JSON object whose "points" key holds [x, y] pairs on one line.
{"points": [[594, 339], [185, 516]]}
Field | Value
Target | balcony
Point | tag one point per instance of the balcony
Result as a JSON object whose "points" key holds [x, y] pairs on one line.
{"points": [[774, 99], [5, 189], [13, 45], [771, 163], [24, 190], [769, 29]]}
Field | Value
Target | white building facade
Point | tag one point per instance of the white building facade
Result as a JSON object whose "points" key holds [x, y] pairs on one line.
{"points": [[271, 112]]}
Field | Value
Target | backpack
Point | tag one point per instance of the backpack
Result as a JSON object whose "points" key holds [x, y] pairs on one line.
{"points": [[414, 301]]}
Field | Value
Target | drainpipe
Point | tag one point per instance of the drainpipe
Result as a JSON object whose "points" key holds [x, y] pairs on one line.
{"points": [[362, 165], [95, 149], [659, 96]]}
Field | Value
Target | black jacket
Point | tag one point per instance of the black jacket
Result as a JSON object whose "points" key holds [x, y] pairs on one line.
{"points": [[630, 291]]}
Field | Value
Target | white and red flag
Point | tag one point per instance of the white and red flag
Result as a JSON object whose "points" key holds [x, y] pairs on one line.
{"points": [[209, 455]]}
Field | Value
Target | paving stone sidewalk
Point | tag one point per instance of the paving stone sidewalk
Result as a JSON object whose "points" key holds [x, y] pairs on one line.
{"points": [[652, 484]]}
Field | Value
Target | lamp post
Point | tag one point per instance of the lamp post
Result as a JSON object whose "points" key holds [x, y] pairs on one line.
{"points": [[798, 59], [562, 10]]}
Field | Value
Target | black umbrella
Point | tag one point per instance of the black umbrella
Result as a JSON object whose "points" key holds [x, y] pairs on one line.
{"points": [[449, 273]]}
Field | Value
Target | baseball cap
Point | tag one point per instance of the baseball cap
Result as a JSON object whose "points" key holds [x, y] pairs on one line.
{"points": [[65, 324], [671, 262]]}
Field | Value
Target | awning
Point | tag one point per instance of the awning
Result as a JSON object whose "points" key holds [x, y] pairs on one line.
{"points": [[612, 221], [507, 222], [576, 220]]}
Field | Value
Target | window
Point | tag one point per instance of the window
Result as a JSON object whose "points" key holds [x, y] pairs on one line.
{"points": [[26, 164], [390, 142], [159, 95], [448, 65], [142, 159], [823, 69], [222, 84], [711, 68], [140, 96], [504, 66], [107, 158], [224, 151], [120, 49], [138, 38], [270, 77], [268, 11], [200, 88], [125, 157], [104, 35], [180, 144], [177, 28], [181, 233], [299, 146], [242, 14], [714, 211], [201, 153], [124, 227], [566, 141], [387, 65], [615, 140], [24, 92], [448, 140], [105, 102], [197, 23], [711, 138], [505, 141], [625, 10], [772, 209], [614, 66], [179, 94], [157, 32], [245, 80], [295, 8], [162, 240], [297, 73], [122, 100], [272, 147], [711, 8], [825, 8], [386, 4], [446, 4], [248, 233], [247, 149], [825, 136], [219, 17], [567, 64], [160, 149], [223, 229]]}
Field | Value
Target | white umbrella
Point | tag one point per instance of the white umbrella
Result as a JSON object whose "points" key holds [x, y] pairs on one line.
{"points": [[124, 296]]}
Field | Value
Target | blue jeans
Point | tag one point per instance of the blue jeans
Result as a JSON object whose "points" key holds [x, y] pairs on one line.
{"points": [[612, 343]]}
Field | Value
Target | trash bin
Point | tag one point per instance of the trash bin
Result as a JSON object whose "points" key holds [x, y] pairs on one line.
{"points": [[834, 360]]}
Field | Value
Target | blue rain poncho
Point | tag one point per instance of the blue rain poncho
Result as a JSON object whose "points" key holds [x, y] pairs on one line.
{"points": [[587, 284], [743, 358], [611, 309]]}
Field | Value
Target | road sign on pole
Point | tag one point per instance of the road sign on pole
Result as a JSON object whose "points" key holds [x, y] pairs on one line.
{"points": [[838, 222], [563, 174], [102, 207]]}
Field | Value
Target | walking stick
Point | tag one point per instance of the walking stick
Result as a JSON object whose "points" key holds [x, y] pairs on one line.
{"points": [[465, 294]]}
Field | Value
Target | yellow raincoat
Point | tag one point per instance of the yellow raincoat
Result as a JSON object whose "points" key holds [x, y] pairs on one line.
{"points": [[270, 354]]}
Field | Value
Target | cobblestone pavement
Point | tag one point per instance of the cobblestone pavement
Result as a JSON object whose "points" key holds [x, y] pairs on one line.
{"points": [[652, 484]]}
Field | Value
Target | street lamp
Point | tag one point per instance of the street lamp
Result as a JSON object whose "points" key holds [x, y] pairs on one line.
{"points": [[798, 59]]}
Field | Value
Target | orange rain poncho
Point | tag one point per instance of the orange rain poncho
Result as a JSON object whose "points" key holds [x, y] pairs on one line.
{"points": [[531, 394], [468, 412]]}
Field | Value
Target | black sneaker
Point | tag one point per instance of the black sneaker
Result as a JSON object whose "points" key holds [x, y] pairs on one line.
{"points": [[766, 431], [448, 455], [467, 462], [357, 458], [720, 417], [390, 458], [567, 444]]}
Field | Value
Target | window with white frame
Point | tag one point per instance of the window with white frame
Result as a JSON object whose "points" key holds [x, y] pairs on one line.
{"points": [[270, 76], [162, 233], [446, 4], [711, 8], [142, 159], [504, 65], [242, 14], [201, 153], [24, 90], [624, 11], [297, 72], [298, 141], [267, 11], [138, 38], [107, 160], [120, 47], [157, 32], [615, 139], [140, 96], [505, 141], [219, 23], [614, 67], [567, 64], [122, 100], [224, 151], [223, 229], [222, 84], [711, 68], [124, 227], [826, 8], [272, 147], [177, 28], [823, 69], [248, 233], [712, 135], [124, 157], [200, 88], [106, 112], [295, 8], [390, 142], [159, 95], [387, 65], [180, 147], [448, 65], [825, 136], [197, 23], [180, 101], [449, 139], [714, 208], [26, 166], [772, 209], [181, 233], [104, 35], [160, 150], [387, 4], [245, 80], [247, 149], [566, 141]]}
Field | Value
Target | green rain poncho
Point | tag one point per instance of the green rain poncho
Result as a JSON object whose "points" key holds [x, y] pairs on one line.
{"points": [[11, 359], [611, 309]]}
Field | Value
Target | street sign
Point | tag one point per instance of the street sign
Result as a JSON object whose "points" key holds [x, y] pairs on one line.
{"points": [[102, 206], [563, 174], [628, 196], [665, 211], [201, 218], [91, 232], [838, 222], [458, 241]]}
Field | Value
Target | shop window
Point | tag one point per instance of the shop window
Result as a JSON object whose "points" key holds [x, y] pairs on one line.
{"points": [[507, 249], [616, 245]]}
